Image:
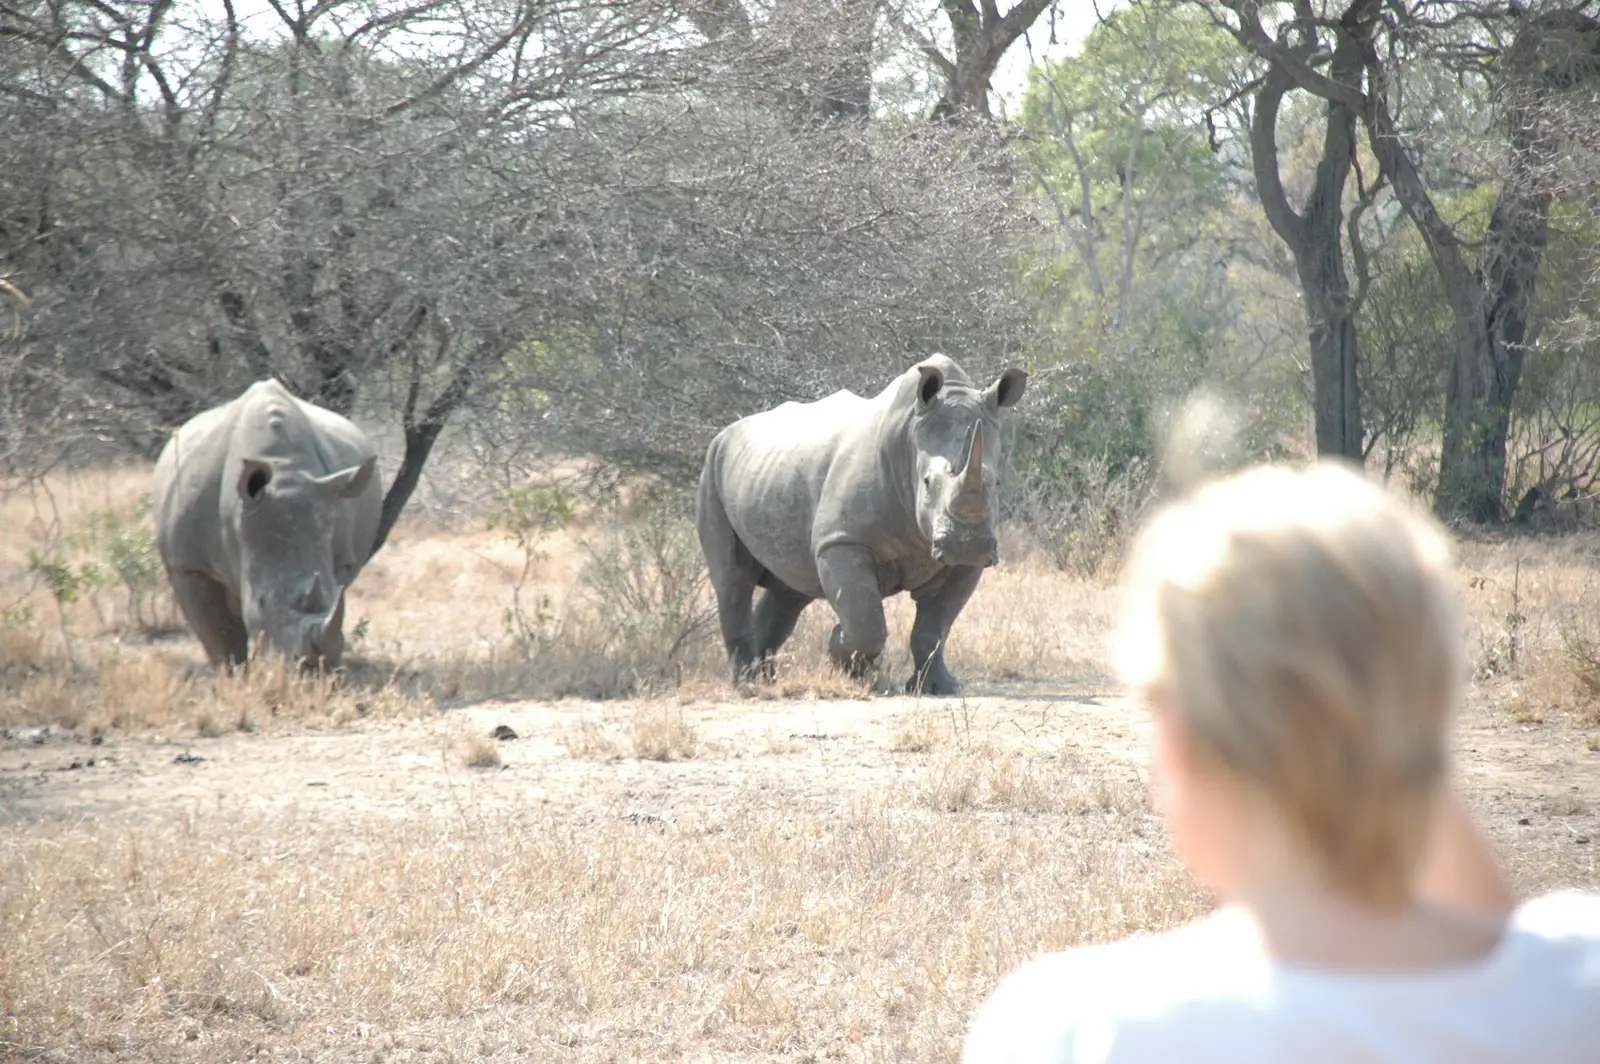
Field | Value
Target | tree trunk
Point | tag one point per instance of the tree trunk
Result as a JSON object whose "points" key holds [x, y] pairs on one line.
{"points": [[1335, 389], [1486, 365], [981, 36], [422, 432], [1315, 238]]}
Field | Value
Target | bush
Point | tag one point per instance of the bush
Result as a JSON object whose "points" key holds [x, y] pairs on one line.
{"points": [[122, 546], [1083, 518], [639, 611], [643, 600]]}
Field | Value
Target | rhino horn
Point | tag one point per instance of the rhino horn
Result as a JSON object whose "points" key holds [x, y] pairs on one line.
{"points": [[970, 489], [972, 472], [319, 591]]}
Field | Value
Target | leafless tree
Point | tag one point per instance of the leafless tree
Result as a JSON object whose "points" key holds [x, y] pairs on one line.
{"points": [[592, 217]]}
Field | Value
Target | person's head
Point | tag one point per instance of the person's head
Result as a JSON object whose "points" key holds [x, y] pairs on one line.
{"points": [[1296, 636]]}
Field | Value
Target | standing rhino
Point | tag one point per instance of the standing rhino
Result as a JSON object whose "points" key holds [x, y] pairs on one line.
{"points": [[855, 500], [266, 508]]}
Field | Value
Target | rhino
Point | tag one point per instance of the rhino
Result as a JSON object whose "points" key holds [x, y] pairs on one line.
{"points": [[854, 500], [266, 508]]}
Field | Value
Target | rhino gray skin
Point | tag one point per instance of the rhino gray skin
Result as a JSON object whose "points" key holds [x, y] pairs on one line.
{"points": [[266, 508], [853, 500]]}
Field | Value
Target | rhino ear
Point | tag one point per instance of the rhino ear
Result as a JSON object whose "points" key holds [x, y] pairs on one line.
{"points": [[348, 483], [254, 476], [930, 384], [1008, 389]]}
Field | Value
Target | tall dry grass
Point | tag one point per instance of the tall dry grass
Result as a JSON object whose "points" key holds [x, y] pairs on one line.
{"points": [[623, 610]]}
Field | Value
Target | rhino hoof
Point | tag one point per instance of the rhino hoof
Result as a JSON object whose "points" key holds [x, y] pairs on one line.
{"points": [[934, 686]]}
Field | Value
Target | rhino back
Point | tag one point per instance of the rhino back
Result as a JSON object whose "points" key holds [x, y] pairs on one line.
{"points": [[802, 476]]}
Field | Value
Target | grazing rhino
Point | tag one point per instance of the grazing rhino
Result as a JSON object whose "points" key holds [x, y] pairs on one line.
{"points": [[266, 508], [853, 500]]}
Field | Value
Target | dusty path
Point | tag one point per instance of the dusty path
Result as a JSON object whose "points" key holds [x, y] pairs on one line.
{"points": [[1537, 784]]}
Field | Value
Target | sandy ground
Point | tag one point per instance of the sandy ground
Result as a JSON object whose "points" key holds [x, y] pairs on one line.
{"points": [[1538, 785]]}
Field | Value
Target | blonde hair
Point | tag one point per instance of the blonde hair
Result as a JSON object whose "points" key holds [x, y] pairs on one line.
{"points": [[1303, 624]]}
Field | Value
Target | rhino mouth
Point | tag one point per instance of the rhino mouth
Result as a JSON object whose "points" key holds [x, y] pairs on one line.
{"points": [[980, 551]]}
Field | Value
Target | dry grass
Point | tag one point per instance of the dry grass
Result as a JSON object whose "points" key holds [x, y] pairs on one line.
{"points": [[995, 778], [1533, 613], [661, 733], [871, 934], [591, 740], [480, 751], [920, 733]]}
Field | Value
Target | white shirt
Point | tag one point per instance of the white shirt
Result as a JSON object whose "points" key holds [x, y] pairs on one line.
{"points": [[1207, 992]]}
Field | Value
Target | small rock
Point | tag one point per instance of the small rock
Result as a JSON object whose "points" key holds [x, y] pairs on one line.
{"points": [[187, 758], [1525, 821], [1581, 840], [503, 733]]}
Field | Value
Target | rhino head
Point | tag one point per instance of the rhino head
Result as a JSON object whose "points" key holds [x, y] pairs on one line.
{"points": [[291, 592], [955, 431]]}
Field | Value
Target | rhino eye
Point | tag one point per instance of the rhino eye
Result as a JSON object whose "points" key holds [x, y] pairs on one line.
{"points": [[927, 481]]}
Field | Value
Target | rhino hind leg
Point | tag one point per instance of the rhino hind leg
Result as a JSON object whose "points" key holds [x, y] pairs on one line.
{"points": [[204, 604], [734, 573], [938, 605], [777, 612]]}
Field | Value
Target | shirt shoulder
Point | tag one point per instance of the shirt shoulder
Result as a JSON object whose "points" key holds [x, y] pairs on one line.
{"points": [[1562, 914], [1064, 1008]]}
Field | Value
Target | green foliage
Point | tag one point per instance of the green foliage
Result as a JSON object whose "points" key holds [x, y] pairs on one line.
{"points": [[122, 554], [18, 617], [65, 581], [527, 513], [125, 543], [1127, 112]]}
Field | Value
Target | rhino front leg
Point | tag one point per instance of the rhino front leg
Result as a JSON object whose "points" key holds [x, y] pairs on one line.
{"points": [[850, 579], [938, 605], [204, 604]]}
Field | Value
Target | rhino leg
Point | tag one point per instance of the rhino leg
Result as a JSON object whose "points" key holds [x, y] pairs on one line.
{"points": [[777, 612], [850, 579], [734, 572], [204, 603], [938, 605]]}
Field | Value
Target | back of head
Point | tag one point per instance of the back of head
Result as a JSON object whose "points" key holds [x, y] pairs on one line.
{"points": [[1303, 623]]}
